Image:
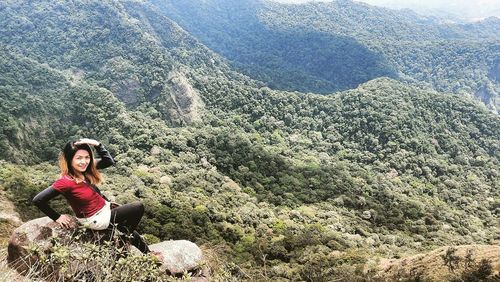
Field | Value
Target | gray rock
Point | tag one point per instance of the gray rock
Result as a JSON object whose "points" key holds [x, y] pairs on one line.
{"points": [[37, 238], [23, 238], [179, 256]]}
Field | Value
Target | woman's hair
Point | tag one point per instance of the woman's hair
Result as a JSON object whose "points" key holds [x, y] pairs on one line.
{"points": [[66, 157]]}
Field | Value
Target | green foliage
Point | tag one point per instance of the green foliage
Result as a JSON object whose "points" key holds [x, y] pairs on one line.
{"points": [[23, 183], [307, 61], [282, 180], [325, 47]]}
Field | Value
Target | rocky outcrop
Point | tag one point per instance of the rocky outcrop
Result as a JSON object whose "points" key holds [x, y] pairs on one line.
{"points": [[489, 97], [181, 103], [9, 220], [35, 240]]}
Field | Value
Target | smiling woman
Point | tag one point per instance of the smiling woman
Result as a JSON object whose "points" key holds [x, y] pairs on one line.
{"points": [[80, 161], [78, 184], [76, 160]]}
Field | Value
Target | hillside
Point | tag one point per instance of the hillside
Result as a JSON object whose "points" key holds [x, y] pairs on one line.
{"points": [[132, 51], [57, 58], [430, 266], [326, 47], [273, 180]]}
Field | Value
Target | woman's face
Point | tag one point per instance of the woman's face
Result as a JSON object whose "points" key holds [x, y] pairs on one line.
{"points": [[80, 161]]}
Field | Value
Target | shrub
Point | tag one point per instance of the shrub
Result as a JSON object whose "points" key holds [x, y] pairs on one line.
{"points": [[96, 260]]}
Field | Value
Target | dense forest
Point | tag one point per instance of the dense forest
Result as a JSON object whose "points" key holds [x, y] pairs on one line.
{"points": [[326, 47], [285, 186]]}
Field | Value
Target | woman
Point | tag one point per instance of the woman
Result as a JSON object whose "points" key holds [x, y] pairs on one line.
{"points": [[77, 183]]}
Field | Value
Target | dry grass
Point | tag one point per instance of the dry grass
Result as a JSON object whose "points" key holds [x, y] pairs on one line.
{"points": [[430, 265], [6, 273], [9, 220]]}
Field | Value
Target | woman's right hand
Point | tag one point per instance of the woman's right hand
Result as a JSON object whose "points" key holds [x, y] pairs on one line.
{"points": [[65, 221], [87, 141]]}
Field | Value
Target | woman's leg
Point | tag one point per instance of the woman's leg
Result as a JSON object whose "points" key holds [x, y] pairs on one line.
{"points": [[127, 217]]}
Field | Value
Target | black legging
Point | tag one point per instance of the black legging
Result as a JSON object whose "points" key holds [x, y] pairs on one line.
{"points": [[127, 217]]}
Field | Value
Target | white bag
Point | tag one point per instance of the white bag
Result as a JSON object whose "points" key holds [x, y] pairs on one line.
{"points": [[100, 220]]}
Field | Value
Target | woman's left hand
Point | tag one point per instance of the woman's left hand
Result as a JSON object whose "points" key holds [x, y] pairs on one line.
{"points": [[87, 141]]}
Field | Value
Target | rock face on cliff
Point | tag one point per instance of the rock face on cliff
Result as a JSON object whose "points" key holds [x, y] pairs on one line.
{"points": [[42, 240], [180, 103]]}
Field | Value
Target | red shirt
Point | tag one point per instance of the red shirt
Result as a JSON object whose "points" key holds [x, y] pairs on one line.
{"points": [[82, 198]]}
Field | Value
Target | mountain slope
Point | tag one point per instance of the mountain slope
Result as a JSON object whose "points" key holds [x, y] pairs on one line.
{"points": [[325, 47], [284, 59], [29, 108], [277, 180], [121, 46]]}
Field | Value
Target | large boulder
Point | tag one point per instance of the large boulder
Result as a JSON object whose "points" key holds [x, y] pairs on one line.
{"points": [[32, 239], [36, 242], [179, 256]]}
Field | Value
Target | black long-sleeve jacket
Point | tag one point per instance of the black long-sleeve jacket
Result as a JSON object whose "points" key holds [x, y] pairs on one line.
{"points": [[41, 200]]}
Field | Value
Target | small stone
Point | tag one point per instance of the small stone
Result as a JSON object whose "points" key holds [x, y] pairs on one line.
{"points": [[366, 215]]}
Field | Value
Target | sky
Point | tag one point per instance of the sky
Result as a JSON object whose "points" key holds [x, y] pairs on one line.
{"points": [[470, 10]]}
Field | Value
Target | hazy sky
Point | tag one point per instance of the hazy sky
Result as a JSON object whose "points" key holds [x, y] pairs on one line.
{"points": [[465, 9]]}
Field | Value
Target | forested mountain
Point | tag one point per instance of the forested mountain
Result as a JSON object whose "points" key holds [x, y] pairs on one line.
{"points": [[448, 10], [305, 186], [325, 47]]}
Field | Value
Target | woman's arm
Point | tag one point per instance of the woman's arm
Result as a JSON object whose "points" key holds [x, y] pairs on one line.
{"points": [[106, 158], [42, 202]]}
